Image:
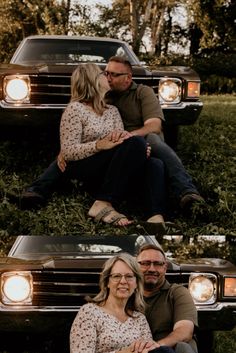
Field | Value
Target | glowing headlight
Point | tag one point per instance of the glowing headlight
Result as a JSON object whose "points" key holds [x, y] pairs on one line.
{"points": [[169, 90], [230, 287], [16, 288], [17, 89], [202, 288]]}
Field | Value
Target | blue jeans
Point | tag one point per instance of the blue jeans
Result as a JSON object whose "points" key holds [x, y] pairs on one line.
{"points": [[179, 180], [113, 175]]}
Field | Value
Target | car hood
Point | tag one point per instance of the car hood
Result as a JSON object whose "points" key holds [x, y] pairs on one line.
{"points": [[43, 261], [62, 68], [206, 264]]}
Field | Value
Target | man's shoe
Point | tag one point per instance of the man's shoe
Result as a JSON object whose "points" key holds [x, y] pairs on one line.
{"points": [[31, 200], [188, 200]]}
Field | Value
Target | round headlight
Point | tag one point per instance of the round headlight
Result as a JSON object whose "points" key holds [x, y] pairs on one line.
{"points": [[17, 89], [169, 91], [201, 289], [17, 288]]}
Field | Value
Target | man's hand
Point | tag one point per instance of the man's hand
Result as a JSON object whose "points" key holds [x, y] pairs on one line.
{"points": [[61, 162], [149, 150]]}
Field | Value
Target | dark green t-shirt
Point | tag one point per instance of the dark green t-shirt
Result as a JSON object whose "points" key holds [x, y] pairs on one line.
{"points": [[136, 105], [170, 304]]}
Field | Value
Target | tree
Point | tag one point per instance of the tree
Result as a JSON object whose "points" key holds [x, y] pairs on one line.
{"points": [[211, 26], [26, 17]]}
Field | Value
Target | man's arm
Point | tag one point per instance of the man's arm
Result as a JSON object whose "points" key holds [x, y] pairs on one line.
{"points": [[152, 125], [182, 332]]}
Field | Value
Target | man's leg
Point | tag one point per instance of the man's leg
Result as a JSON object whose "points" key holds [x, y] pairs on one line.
{"points": [[39, 191], [180, 181], [154, 188], [183, 347]]}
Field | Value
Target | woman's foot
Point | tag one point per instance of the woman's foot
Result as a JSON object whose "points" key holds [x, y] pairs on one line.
{"points": [[103, 211]]}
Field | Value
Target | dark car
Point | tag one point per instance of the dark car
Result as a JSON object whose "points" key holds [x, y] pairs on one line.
{"points": [[44, 280], [35, 85]]}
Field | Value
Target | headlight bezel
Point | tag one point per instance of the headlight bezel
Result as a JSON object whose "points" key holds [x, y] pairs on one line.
{"points": [[165, 83], [6, 297], [197, 279], [16, 80]]}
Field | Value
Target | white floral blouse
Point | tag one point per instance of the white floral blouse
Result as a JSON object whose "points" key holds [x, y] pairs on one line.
{"points": [[95, 331], [81, 127]]}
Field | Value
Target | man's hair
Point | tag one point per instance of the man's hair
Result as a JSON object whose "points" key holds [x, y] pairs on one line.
{"points": [[151, 247], [121, 60]]}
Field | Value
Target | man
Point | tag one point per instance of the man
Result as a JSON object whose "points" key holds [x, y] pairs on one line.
{"points": [[142, 115], [170, 312]]}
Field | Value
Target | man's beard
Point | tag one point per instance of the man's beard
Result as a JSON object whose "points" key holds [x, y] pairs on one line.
{"points": [[150, 286]]}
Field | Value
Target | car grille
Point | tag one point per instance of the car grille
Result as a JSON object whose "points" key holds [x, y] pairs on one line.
{"points": [[50, 89], [64, 288], [55, 89], [69, 288]]}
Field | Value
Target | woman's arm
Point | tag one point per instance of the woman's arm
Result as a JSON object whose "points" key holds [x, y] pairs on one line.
{"points": [[83, 332], [71, 130]]}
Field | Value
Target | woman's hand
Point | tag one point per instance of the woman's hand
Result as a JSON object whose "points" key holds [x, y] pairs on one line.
{"points": [[61, 162], [117, 135], [143, 346], [112, 140]]}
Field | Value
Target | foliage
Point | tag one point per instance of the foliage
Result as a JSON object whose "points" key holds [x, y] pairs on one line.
{"points": [[225, 342], [212, 26], [26, 17]]}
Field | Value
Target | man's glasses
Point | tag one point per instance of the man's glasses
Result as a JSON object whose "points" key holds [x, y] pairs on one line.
{"points": [[113, 74], [146, 264], [116, 277]]}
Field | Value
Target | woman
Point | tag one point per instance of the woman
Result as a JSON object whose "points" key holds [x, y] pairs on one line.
{"points": [[114, 321], [101, 154]]}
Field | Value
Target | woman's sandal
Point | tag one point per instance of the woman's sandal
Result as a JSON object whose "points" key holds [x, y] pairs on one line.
{"points": [[113, 220]]}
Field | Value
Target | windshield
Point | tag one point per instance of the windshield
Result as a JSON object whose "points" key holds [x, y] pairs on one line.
{"points": [[78, 245], [70, 51]]}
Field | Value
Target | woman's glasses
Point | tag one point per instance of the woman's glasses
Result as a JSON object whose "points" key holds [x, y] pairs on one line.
{"points": [[116, 277]]}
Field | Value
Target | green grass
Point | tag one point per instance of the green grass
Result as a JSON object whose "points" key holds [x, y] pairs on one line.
{"points": [[207, 149]]}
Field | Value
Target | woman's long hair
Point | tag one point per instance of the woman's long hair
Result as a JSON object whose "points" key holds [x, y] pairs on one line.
{"points": [[136, 301], [86, 87]]}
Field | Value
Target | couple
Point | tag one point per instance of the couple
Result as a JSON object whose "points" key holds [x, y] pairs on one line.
{"points": [[114, 320], [142, 115]]}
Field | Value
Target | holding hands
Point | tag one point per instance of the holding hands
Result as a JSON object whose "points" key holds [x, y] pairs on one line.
{"points": [[112, 140], [140, 346]]}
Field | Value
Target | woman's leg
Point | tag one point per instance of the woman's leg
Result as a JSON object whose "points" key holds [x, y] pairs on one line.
{"points": [[126, 164], [112, 172]]}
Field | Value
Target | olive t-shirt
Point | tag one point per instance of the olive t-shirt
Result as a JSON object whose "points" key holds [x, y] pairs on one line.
{"points": [[170, 304], [136, 105]]}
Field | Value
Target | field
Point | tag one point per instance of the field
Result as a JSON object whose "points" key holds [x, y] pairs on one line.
{"points": [[207, 150]]}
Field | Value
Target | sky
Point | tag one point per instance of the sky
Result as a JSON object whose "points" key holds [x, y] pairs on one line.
{"points": [[93, 2]]}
